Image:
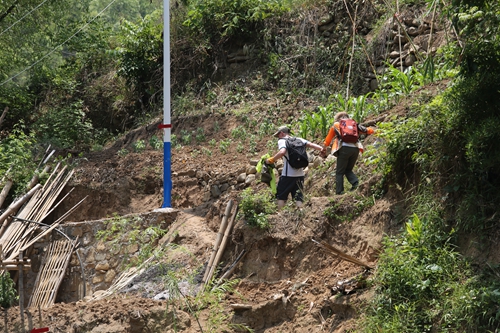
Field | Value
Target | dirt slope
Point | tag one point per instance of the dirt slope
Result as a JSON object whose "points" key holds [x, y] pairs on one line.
{"points": [[288, 282]]}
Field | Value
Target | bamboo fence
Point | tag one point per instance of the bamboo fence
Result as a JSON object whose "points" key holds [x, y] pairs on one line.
{"points": [[52, 270]]}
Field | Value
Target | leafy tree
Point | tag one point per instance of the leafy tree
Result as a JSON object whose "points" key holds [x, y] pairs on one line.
{"points": [[141, 58]]}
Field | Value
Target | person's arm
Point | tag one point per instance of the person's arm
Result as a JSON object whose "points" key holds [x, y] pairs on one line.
{"points": [[276, 156], [366, 130], [329, 136], [315, 146]]}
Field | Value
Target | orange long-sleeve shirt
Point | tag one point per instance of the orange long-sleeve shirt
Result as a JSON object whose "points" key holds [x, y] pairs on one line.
{"points": [[332, 134]]}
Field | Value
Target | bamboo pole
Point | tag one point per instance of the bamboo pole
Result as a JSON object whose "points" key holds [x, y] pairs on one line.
{"points": [[399, 38], [4, 113], [222, 245], [332, 250], [232, 267], [5, 191], [352, 53], [21, 290], [222, 228], [15, 206], [432, 29]]}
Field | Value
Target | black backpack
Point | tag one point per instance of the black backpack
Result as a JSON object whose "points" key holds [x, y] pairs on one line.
{"points": [[297, 155]]}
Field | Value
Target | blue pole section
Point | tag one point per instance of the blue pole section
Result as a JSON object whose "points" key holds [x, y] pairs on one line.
{"points": [[167, 126]]}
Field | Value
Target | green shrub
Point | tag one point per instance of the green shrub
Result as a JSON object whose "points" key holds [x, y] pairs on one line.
{"points": [[139, 146], [65, 127], [155, 143], [255, 207], [215, 20], [424, 285], [7, 290]]}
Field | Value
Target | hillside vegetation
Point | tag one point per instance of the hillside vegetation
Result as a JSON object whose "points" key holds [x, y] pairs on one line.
{"points": [[425, 73]]}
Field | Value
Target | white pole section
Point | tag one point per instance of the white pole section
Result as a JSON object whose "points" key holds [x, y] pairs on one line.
{"points": [[167, 126]]}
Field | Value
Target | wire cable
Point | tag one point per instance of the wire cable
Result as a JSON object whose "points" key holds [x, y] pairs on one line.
{"points": [[28, 13], [58, 46]]}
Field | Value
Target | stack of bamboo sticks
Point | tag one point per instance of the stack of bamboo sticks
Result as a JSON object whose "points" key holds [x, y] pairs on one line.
{"points": [[16, 234]]}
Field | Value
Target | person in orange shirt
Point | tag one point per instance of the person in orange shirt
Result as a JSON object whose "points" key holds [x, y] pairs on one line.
{"points": [[347, 153]]}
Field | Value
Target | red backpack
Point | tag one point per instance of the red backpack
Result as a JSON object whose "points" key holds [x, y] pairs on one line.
{"points": [[348, 130]]}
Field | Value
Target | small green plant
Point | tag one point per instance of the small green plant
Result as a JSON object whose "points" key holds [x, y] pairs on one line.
{"points": [[224, 146], [206, 151], [195, 153], [200, 135], [174, 141], [255, 207], [252, 144], [239, 133], [271, 145], [97, 147], [114, 227], [122, 152], [139, 146], [212, 143], [185, 137], [155, 142]]}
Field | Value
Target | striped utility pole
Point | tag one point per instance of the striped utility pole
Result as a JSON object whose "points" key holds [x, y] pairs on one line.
{"points": [[166, 125]]}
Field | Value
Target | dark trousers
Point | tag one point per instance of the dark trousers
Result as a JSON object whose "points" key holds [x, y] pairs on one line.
{"points": [[290, 185], [346, 159]]}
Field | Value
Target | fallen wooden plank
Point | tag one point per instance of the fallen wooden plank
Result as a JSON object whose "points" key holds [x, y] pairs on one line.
{"points": [[338, 253]]}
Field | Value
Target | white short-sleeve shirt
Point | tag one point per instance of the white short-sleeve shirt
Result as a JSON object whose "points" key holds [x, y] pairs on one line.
{"points": [[287, 169]]}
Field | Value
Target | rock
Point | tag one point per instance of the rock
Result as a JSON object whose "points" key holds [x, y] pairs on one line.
{"points": [[412, 31], [110, 276], [327, 27], [410, 60], [215, 191], [317, 161], [401, 38], [202, 175], [370, 75], [251, 170], [98, 279], [132, 248], [325, 20], [394, 55], [104, 266], [224, 187], [250, 179], [241, 178]]}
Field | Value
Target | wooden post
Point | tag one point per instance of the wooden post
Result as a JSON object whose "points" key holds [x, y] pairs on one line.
{"points": [[21, 290], [222, 245], [222, 228]]}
